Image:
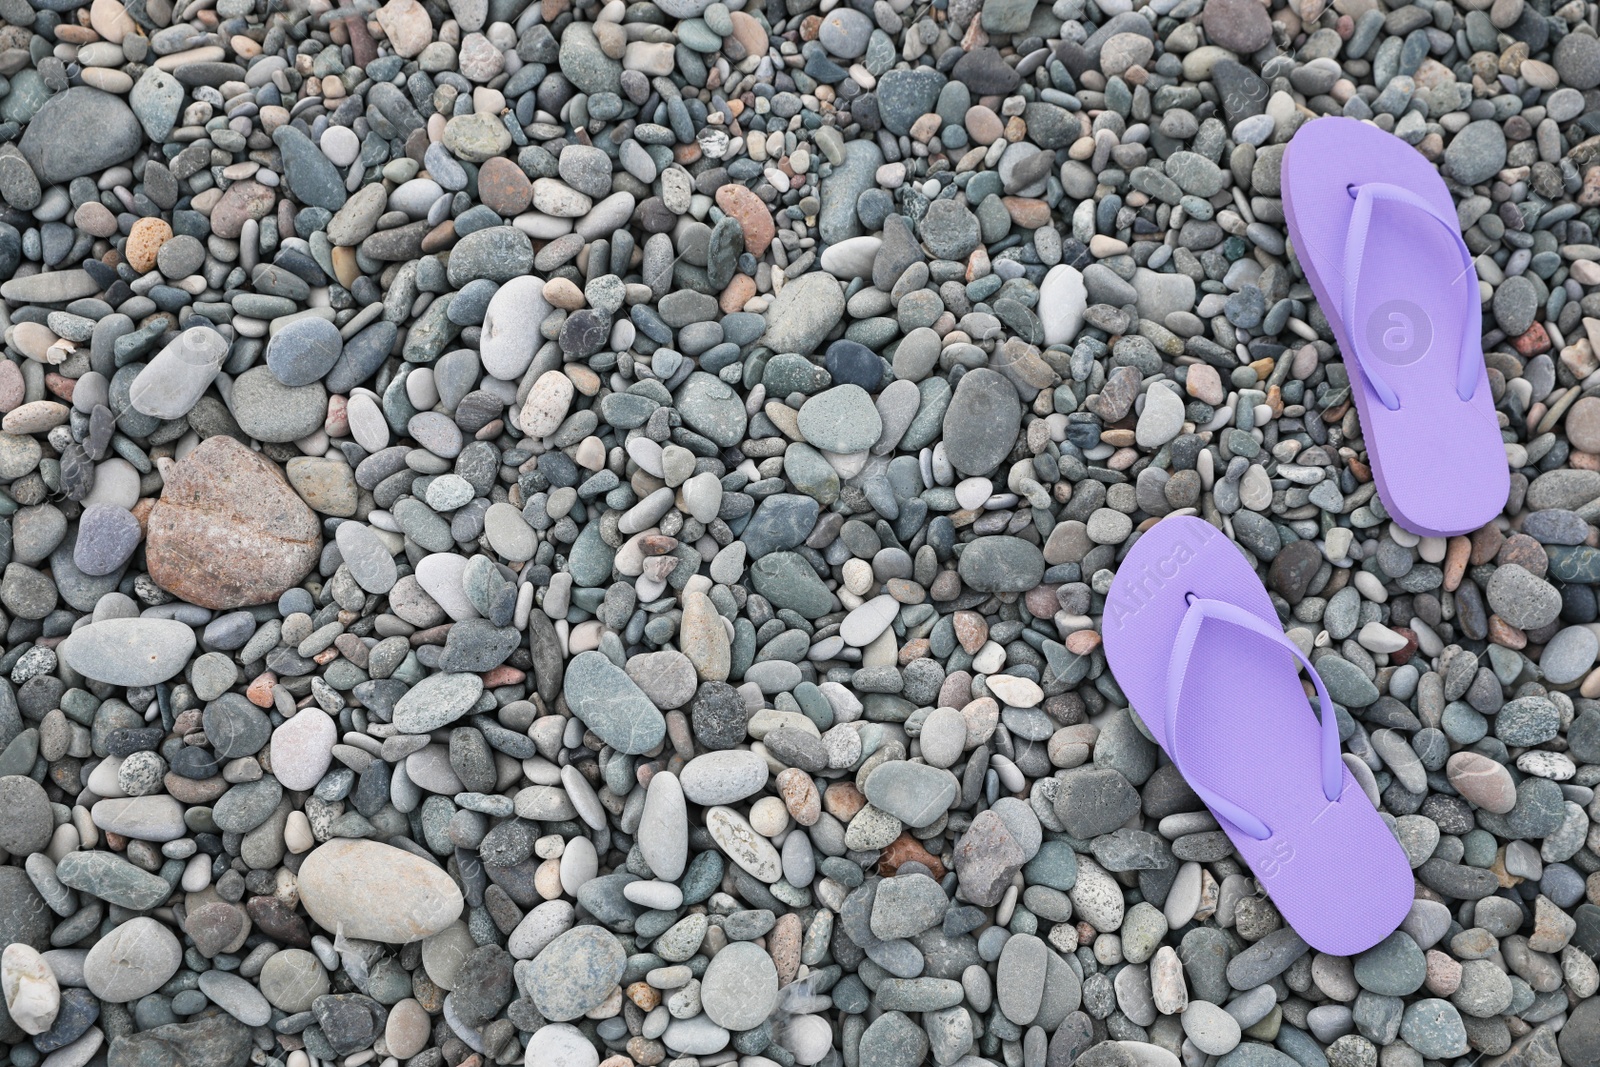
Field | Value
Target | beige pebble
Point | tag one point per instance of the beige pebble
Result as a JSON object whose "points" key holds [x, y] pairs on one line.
{"points": [[590, 454], [547, 404], [407, 1031], [96, 219], [769, 817], [111, 20], [37, 417], [297, 833], [1167, 985], [107, 79], [547, 879], [1539, 75], [36, 341], [857, 576], [800, 795], [563, 293], [406, 24], [203, 54]]}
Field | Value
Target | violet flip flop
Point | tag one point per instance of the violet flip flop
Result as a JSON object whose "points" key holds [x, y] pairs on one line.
{"points": [[1192, 638], [1376, 233]]}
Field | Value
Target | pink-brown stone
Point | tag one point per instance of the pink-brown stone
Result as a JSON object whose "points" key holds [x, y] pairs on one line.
{"points": [[753, 215], [228, 530]]}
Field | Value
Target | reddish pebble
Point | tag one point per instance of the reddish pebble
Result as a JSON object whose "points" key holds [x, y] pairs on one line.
{"points": [[972, 630], [800, 795], [1504, 634], [1041, 601], [502, 675], [337, 423], [59, 385], [1486, 542], [914, 649], [260, 691], [1082, 642], [1402, 657], [1457, 553], [12, 387], [737, 294], [1443, 973], [361, 44], [145, 240], [907, 849], [753, 215], [1532, 343], [503, 186], [842, 800]]}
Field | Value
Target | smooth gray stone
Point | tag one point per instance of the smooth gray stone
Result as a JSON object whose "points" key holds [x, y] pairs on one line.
{"points": [[172, 382], [132, 652]]}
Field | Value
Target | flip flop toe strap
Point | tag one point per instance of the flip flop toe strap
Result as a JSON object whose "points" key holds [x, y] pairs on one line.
{"points": [[1200, 611], [1366, 196]]}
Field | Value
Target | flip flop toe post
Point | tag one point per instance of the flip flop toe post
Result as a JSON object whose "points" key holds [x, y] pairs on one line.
{"points": [[1192, 638], [1376, 233]]}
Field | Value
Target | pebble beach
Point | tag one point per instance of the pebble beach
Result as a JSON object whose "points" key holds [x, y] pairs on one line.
{"points": [[577, 533]]}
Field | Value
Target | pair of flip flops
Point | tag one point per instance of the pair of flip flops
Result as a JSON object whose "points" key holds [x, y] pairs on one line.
{"points": [[1189, 631]]}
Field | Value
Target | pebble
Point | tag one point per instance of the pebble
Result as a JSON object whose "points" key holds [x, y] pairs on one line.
{"points": [[740, 987], [302, 748], [173, 381], [79, 131], [1161, 418], [1476, 152], [575, 973], [841, 419], [236, 996], [984, 413], [1523, 599], [134, 959], [560, 1045], [129, 652], [723, 777], [342, 881], [1237, 25], [107, 538], [436, 701], [228, 531], [304, 351], [913, 793], [211, 1039], [292, 979], [1580, 1037], [406, 1030], [29, 822], [610, 704], [32, 995]]}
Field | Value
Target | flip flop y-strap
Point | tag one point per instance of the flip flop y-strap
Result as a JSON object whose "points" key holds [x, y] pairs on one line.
{"points": [[1201, 609], [1366, 195]]}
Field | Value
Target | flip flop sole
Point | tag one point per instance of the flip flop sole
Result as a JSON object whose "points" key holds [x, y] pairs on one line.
{"points": [[1246, 729], [1439, 461]]}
